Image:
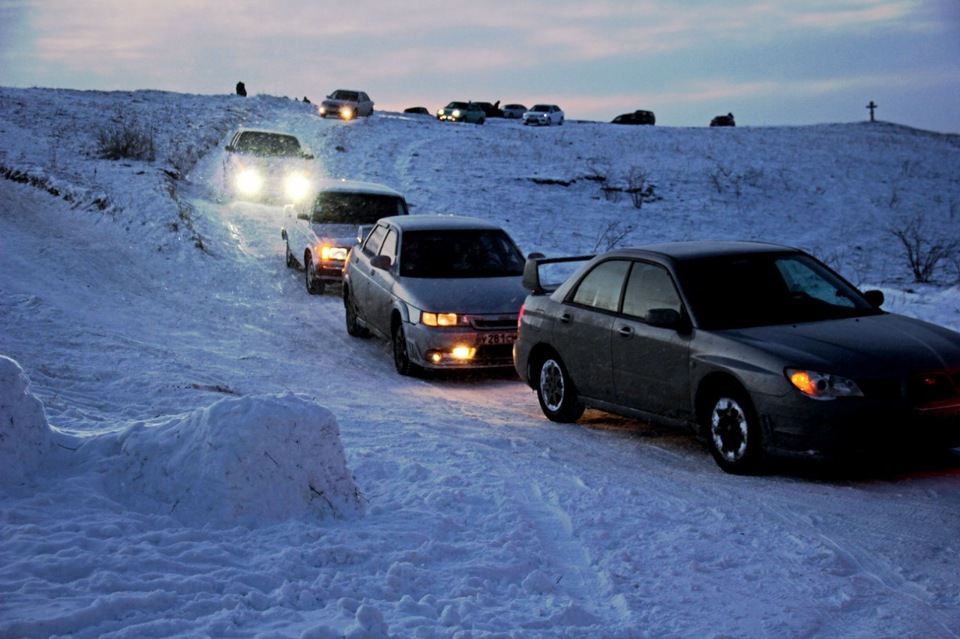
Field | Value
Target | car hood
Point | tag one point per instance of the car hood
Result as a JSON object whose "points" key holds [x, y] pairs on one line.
{"points": [[336, 234], [337, 103], [872, 346], [485, 295]]}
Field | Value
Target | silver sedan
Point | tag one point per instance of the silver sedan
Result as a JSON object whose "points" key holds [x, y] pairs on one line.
{"points": [[445, 290]]}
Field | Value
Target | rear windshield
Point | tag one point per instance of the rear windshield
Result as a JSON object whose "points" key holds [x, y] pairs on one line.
{"points": [[355, 208], [459, 253]]}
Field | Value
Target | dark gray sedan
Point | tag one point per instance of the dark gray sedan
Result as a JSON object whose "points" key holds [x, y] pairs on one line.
{"points": [[760, 348]]}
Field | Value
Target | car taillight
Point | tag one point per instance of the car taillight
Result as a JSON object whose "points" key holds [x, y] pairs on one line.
{"points": [[520, 316]]}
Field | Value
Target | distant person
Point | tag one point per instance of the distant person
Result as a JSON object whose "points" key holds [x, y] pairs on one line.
{"points": [[306, 101], [241, 89]]}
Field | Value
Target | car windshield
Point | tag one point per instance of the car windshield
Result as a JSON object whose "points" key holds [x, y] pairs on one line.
{"points": [[460, 253], [354, 208], [267, 144], [541, 108], [742, 291], [457, 105], [350, 96]]}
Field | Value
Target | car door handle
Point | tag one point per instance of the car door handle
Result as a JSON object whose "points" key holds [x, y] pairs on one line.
{"points": [[566, 318], [625, 331]]}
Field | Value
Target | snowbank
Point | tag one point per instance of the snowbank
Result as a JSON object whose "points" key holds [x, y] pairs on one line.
{"points": [[25, 435], [242, 460]]}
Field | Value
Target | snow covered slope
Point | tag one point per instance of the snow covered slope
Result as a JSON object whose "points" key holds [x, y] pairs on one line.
{"points": [[192, 446]]}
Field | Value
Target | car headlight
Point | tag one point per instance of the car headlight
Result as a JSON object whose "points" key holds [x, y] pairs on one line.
{"points": [[440, 319], [297, 187], [346, 112], [249, 181], [456, 113], [333, 253], [822, 385]]}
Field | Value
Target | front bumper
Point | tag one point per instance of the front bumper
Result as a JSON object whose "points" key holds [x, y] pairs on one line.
{"points": [[849, 425], [454, 348]]}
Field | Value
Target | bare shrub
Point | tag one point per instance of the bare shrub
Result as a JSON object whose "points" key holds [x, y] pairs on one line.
{"points": [[611, 236], [924, 253], [126, 140]]}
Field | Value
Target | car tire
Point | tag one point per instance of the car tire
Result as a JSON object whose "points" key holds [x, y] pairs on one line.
{"points": [[314, 286], [556, 392], [354, 328], [733, 431], [401, 357]]}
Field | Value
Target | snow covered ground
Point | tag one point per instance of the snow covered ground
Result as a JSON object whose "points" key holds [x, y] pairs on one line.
{"points": [[192, 446]]}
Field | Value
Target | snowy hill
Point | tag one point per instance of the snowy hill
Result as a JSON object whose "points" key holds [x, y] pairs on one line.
{"points": [[192, 446]]}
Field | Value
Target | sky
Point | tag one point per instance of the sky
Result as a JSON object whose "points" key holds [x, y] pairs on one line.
{"points": [[770, 62]]}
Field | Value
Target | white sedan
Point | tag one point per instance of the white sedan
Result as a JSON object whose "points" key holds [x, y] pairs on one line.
{"points": [[545, 114]]}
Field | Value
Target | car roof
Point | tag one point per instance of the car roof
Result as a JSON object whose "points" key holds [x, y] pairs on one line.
{"points": [[688, 250], [355, 186], [267, 131], [440, 222]]}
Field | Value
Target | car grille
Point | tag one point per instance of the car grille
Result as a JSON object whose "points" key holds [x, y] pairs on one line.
{"points": [[924, 389], [502, 323]]}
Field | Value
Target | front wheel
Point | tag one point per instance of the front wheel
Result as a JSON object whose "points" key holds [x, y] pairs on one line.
{"points": [[314, 285], [354, 328], [733, 432], [401, 356], [555, 390]]}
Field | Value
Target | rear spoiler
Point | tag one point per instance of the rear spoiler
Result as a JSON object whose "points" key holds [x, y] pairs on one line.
{"points": [[531, 272]]}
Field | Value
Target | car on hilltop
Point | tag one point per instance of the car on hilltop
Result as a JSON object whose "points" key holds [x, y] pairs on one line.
{"points": [[760, 348], [462, 112], [346, 104], [637, 117], [444, 289], [514, 111], [723, 120], [544, 115], [320, 234]]}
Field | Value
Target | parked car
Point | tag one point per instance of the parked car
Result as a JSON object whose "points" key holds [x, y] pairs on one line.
{"points": [[322, 232], [723, 120], [760, 348], [462, 112], [346, 105], [445, 290], [637, 117], [514, 111], [544, 114], [417, 111], [266, 166]]}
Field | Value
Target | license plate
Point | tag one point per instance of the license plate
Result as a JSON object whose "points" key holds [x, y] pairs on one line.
{"points": [[493, 339]]}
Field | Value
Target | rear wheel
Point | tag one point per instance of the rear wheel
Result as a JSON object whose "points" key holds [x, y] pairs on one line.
{"points": [[314, 285], [733, 431], [555, 390]]}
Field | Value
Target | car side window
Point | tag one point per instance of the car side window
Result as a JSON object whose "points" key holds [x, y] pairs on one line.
{"points": [[648, 287], [389, 246], [375, 240], [601, 287]]}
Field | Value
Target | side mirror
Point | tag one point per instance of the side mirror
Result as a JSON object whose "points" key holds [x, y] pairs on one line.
{"points": [[663, 318], [308, 156], [228, 148], [381, 262], [875, 298], [535, 256]]}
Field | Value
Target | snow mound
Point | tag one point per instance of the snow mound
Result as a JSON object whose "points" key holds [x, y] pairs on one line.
{"points": [[25, 436], [241, 461]]}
